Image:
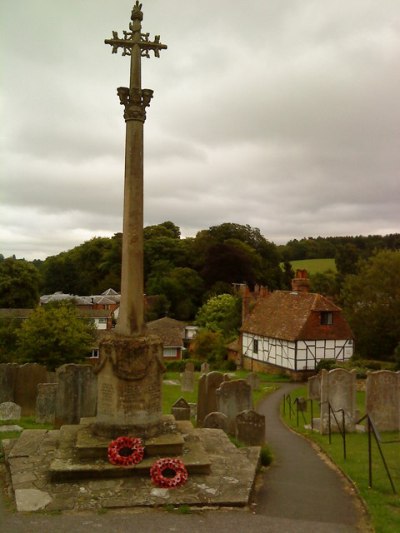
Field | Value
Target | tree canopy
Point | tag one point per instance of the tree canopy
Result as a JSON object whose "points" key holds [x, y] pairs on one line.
{"points": [[19, 284], [221, 314], [371, 300], [54, 334]]}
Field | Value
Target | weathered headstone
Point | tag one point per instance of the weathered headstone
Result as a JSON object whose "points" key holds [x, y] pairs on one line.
{"points": [[383, 399], [314, 387], [10, 411], [216, 420], [76, 393], [253, 380], [181, 409], [188, 378], [338, 389], [204, 368], [29, 376], [250, 428], [206, 398], [189, 366], [8, 377], [233, 397], [46, 403]]}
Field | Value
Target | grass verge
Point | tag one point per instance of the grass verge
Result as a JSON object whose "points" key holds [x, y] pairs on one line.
{"points": [[383, 505]]}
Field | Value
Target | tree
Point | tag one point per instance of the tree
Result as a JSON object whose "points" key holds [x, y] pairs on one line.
{"points": [[8, 339], [19, 284], [371, 300], [325, 283], [208, 346], [221, 314], [54, 334]]}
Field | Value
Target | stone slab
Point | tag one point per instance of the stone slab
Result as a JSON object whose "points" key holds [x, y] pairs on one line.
{"points": [[229, 481], [28, 443], [6, 429]]}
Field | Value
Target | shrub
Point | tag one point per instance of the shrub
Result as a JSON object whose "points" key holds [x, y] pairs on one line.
{"points": [[326, 364]]}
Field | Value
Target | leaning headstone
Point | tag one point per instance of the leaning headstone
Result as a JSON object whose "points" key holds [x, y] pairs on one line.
{"points": [[46, 403], [10, 411], [382, 397], [181, 409], [188, 379], [250, 428], [28, 378], [338, 389], [76, 394], [206, 397], [253, 380], [233, 397], [216, 420], [314, 387], [204, 368], [8, 377]]}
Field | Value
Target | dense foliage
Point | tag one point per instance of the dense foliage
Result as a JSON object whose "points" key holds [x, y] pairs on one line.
{"points": [[54, 334], [19, 284], [371, 300]]}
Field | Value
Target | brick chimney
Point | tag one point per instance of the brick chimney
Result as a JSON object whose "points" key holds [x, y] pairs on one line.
{"points": [[301, 282]]}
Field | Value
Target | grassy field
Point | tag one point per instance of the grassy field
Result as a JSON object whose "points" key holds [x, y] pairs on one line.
{"points": [[382, 503], [314, 266]]}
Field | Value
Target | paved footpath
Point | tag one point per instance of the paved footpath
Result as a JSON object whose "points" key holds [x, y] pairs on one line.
{"points": [[299, 493]]}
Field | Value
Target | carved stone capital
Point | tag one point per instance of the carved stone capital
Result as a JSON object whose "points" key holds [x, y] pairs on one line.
{"points": [[135, 102]]}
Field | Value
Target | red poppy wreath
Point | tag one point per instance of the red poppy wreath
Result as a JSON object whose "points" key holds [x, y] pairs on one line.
{"points": [[168, 473], [125, 451]]}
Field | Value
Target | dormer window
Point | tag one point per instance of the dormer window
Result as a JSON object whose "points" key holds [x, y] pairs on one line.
{"points": [[326, 318]]}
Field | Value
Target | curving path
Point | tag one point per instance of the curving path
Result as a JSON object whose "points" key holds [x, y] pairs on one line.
{"points": [[300, 485]]}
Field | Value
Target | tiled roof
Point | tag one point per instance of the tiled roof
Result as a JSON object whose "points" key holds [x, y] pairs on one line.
{"points": [[295, 315], [170, 331]]}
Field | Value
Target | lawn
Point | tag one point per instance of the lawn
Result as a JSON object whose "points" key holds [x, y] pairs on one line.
{"points": [[382, 503], [314, 266]]}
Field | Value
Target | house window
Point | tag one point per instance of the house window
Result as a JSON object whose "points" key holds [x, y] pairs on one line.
{"points": [[326, 318], [255, 346]]}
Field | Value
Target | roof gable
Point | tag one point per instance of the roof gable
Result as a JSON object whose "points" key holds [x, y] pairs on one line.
{"points": [[285, 314]]}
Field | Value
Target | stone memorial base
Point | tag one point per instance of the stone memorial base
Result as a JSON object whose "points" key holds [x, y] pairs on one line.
{"points": [[67, 469]]}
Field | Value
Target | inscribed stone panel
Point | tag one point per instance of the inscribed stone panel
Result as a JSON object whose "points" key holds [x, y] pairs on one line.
{"points": [[338, 390], [76, 393], [232, 398], [206, 399], [250, 428], [383, 399]]}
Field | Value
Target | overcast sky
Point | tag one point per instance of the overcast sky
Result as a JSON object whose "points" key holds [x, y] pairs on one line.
{"points": [[280, 114]]}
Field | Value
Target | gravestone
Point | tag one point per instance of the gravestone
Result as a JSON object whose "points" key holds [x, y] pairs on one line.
{"points": [[250, 428], [206, 398], [233, 397], [10, 411], [216, 420], [188, 378], [338, 388], [253, 380], [204, 368], [189, 366], [314, 387], [76, 394], [29, 376], [382, 397], [181, 409], [46, 403], [8, 377]]}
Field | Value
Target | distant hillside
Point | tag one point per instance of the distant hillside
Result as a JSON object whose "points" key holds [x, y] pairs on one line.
{"points": [[313, 266]]}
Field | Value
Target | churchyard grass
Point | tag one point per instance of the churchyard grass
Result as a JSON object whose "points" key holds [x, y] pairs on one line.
{"points": [[172, 387], [383, 505]]}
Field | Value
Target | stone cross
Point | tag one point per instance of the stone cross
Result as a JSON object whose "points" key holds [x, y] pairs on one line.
{"points": [[135, 100]]}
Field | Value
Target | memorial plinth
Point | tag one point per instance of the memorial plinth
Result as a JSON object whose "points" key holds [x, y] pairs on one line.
{"points": [[129, 382]]}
